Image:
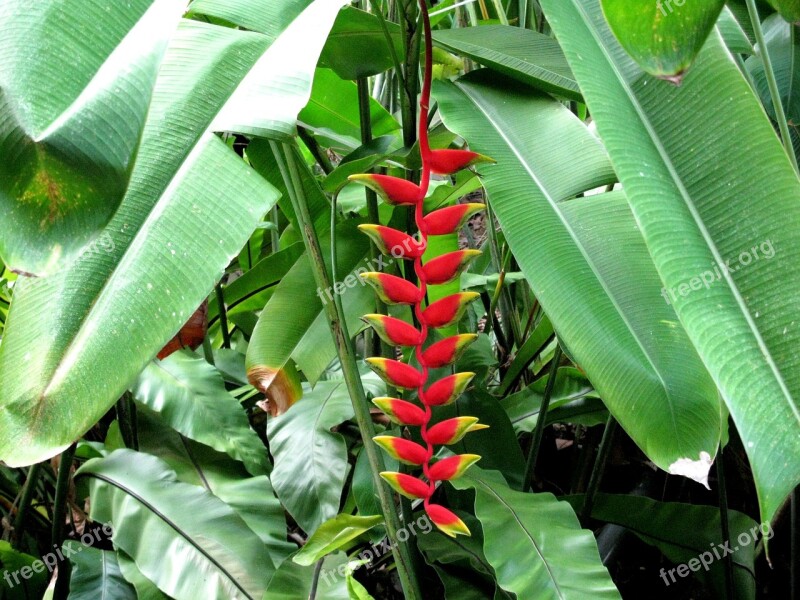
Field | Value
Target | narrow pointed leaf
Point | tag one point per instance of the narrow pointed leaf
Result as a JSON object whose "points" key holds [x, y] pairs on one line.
{"points": [[333, 535]]}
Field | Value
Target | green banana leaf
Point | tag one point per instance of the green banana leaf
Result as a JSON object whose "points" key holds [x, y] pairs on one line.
{"points": [[718, 209], [96, 574], [310, 461], [145, 589], [72, 110], [528, 56], [190, 396], [74, 341], [214, 551], [588, 266], [535, 543]]}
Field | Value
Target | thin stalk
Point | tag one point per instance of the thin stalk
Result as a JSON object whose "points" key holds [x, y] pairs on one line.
{"points": [[378, 346], [599, 467], [59, 519], [389, 41], [726, 529], [794, 557], [223, 316], [538, 433], [312, 594], [501, 14], [126, 419], [346, 353], [208, 352], [317, 152], [769, 72], [275, 234], [26, 499]]}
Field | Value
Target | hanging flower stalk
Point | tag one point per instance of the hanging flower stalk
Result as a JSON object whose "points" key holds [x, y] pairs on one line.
{"points": [[442, 313]]}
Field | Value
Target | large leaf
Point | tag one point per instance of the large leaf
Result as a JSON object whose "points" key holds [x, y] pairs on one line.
{"points": [[525, 55], [684, 532], [72, 109], [96, 574], [190, 395], [75, 341], [293, 581], [306, 337], [145, 589], [663, 36], [704, 195], [535, 543], [588, 266], [252, 498], [310, 459], [201, 537]]}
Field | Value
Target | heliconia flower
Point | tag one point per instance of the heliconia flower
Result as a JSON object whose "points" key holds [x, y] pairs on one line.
{"points": [[447, 267], [447, 351], [448, 310], [396, 373], [453, 430], [448, 389], [394, 331], [450, 219], [447, 162], [401, 411], [408, 486], [392, 289], [451, 467], [446, 520], [393, 190], [394, 242], [401, 449]]}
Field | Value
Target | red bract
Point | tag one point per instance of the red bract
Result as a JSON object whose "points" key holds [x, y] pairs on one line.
{"points": [[394, 331], [450, 219], [401, 412], [447, 162], [442, 313], [391, 241], [448, 350], [395, 373], [392, 289], [449, 310], [393, 190], [445, 268]]}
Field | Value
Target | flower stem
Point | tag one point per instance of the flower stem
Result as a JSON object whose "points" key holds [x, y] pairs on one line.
{"points": [[344, 348]]}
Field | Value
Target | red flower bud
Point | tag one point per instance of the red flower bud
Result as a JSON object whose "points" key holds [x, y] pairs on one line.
{"points": [[451, 467], [450, 219], [395, 373], [445, 391], [447, 267], [401, 411], [392, 289], [405, 451], [447, 162], [394, 242], [446, 520], [453, 430], [447, 351], [394, 331], [408, 486], [393, 190], [448, 310]]}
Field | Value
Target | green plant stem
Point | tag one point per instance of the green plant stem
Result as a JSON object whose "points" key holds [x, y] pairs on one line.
{"points": [[378, 346], [794, 551], [208, 352], [725, 525], [26, 498], [541, 420], [346, 353], [126, 419], [376, 10], [769, 72], [312, 594], [59, 519], [223, 316], [317, 152], [599, 468], [275, 234]]}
